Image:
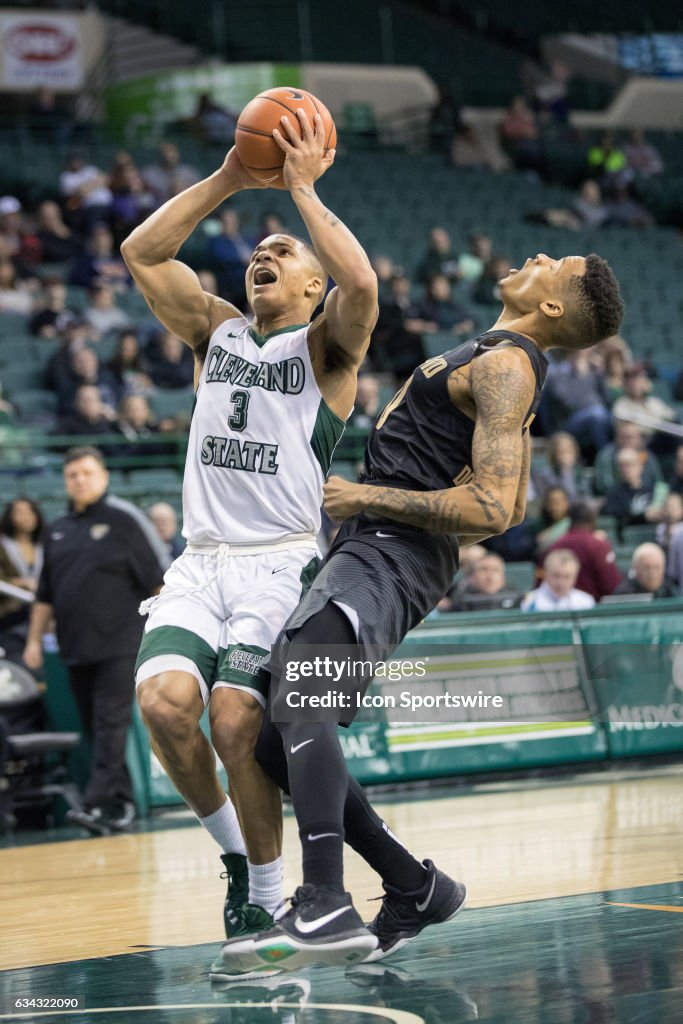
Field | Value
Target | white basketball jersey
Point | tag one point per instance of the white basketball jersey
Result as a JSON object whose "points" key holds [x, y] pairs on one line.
{"points": [[261, 439]]}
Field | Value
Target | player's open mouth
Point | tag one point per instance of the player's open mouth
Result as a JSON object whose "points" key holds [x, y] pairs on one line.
{"points": [[264, 275]]}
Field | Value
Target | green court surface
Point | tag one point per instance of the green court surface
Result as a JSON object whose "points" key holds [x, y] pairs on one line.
{"points": [[612, 957]]}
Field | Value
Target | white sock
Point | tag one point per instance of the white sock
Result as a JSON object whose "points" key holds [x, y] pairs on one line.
{"points": [[266, 884], [223, 825]]}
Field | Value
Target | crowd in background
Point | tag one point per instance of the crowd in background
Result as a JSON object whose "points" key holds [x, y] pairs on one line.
{"points": [[63, 279]]}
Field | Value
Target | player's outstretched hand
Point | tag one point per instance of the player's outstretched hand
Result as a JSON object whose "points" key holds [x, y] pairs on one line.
{"points": [[238, 177], [305, 158], [342, 498]]}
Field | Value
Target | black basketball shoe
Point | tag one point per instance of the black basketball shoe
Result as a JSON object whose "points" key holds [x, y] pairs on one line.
{"points": [[405, 914], [322, 926], [237, 874]]}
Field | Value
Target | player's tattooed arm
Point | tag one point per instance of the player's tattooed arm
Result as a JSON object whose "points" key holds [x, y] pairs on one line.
{"points": [[503, 388], [519, 510]]}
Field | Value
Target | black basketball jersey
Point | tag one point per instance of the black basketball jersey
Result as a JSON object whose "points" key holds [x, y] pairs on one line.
{"points": [[421, 440]]}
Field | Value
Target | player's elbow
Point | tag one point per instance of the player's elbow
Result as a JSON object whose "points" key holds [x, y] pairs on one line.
{"points": [[362, 284]]}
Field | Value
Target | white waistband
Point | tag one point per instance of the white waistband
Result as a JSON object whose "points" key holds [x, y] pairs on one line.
{"points": [[294, 540]]}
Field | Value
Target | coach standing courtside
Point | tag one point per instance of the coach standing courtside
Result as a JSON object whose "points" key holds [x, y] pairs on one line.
{"points": [[101, 560]]}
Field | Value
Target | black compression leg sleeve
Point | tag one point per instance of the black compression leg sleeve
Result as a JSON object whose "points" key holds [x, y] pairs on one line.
{"points": [[364, 830], [318, 776]]}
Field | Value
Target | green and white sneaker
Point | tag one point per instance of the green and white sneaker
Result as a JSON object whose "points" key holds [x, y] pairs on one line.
{"points": [[321, 927], [237, 874], [245, 920]]}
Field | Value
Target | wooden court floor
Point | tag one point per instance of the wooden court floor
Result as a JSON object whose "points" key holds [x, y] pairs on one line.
{"points": [[575, 904]]}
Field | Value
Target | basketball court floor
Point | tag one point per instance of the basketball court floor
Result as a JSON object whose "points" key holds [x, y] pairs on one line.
{"points": [[575, 916]]}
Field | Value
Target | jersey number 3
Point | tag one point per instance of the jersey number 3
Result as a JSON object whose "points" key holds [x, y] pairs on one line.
{"points": [[238, 420]]}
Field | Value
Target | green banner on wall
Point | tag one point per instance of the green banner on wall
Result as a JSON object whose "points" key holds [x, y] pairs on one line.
{"points": [[142, 107]]}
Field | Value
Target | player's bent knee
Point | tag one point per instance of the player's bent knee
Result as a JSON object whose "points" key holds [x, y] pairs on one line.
{"points": [[235, 719], [170, 705]]}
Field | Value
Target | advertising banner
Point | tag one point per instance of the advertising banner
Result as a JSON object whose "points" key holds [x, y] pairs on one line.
{"points": [[39, 49]]}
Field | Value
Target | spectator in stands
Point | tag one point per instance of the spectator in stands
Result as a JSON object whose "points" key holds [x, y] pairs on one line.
{"points": [[469, 556], [100, 263], [439, 311], [230, 253], [397, 339], [57, 241], [638, 401], [132, 201], [551, 93], [16, 295], [271, 223], [19, 244], [553, 521], [563, 468], [171, 364], [575, 401], [589, 207], [587, 211], [598, 573], [52, 314], [84, 365], [128, 366], [214, 125], [626, 435], [647, 574], [477, 148], [615, 364], [386, 271], [630, 501], [558, 591], [674, 562], [102, 313], [608, 161], [643, 159], [366, 407], [440, 258], [487, 289], [101, 560], [472, 262], [626, 212], [676, 484], [136, 423], [169, 176], [164, 518], [90, 415], [86, 191], [520, 137], [670, 521], [21, 560], [486, 588], [74, 334]]}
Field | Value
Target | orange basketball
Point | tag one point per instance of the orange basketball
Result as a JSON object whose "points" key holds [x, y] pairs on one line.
{"points": [[256, 147]]}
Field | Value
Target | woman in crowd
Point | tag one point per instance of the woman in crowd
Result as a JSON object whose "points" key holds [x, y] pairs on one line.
{"points": [[21, 559]]}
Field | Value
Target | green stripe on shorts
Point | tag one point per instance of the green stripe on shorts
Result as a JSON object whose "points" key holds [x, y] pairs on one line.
{"points": [[240, 664], [176, 640], [309, 573]]}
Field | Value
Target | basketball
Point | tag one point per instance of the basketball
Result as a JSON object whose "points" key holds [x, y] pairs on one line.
{"points": [[256, 147]]}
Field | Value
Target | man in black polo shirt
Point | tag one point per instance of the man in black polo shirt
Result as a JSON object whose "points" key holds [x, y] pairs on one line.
{"points": [[101, 560]]}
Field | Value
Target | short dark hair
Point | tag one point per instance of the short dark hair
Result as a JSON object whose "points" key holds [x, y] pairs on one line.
{"points": [[7, 528], [583, 513], [596, 307], [84, 451]]}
